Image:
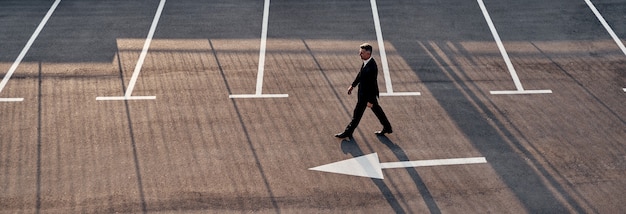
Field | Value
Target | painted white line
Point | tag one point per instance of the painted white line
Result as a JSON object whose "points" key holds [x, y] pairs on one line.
{"points": [[127, 98], [523, 92], [144, 51], [437, 162], [370, 166], [383, 56], [261, 68], [507, 60], [11, 99], [503, 52], [232, 96], [398, 94], [142, 57], [381, 47], [606, 26], [25, 50]]}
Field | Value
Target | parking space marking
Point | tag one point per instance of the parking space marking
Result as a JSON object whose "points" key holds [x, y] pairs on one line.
{"points": [[507, 60], [261, 68], [142, 57], [24, 51], [383, 56], [607, 27]]}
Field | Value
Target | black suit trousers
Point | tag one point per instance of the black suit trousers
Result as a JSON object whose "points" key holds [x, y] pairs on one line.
{"points": [[359, 109]]}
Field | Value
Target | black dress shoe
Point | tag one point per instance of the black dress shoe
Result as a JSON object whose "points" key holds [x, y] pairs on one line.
{"points": [[383, 132], [343, 135]]}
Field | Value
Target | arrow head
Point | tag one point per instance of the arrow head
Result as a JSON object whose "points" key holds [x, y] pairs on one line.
{"points": [[364, 166]]}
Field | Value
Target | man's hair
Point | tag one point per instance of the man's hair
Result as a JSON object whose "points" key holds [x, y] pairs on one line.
{"points": [[367, 47]]}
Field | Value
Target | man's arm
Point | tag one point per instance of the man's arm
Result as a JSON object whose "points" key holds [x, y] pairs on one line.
{"points": [[350, 92], [357, 80]]}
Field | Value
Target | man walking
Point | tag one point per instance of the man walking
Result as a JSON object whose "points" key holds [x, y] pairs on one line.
{"points": [[367, 95]]}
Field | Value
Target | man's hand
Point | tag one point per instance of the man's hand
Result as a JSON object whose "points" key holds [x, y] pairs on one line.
{"points": [[350, 90], [369, 105]]}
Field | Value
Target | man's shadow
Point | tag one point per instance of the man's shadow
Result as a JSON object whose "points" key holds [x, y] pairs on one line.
{"points": [[417, 179], [352, 148]]}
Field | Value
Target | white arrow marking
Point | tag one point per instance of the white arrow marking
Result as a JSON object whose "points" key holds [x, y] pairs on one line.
{"points": [[370, 166], [365, 166]]}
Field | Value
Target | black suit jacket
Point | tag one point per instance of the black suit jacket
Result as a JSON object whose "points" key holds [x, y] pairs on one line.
{"points": [[367, 82]]}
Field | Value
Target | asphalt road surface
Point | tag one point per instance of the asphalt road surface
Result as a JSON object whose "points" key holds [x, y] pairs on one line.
{"points": [[173, 139]]}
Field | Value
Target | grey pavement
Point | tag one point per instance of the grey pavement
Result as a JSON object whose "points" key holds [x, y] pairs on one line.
{"points": [[195, 150]]}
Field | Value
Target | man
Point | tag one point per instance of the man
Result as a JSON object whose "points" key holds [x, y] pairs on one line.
{"points": [[367, 95]]}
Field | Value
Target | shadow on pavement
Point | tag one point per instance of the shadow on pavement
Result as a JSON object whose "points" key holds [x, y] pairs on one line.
{"points": [[352, 148], [470, 114]]}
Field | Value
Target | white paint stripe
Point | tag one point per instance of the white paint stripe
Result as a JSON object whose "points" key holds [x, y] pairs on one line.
{"points": [[496, 37], [144, 51], [523, 92], [261, 68], [398, 94], [127, 98], [383, 56], [25, 50], [257, 95], [11, 99], [437, 162], [381, 47], [606, 26]]}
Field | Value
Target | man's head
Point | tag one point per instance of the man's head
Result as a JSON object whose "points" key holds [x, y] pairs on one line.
{"points": [[366, 51]]}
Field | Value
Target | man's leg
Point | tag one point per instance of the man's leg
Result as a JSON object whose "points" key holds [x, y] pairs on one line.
{"points": [[380, 114], [359, 109]]}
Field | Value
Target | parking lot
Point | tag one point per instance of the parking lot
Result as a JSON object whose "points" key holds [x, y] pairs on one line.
{"points": [[230, 106]]}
